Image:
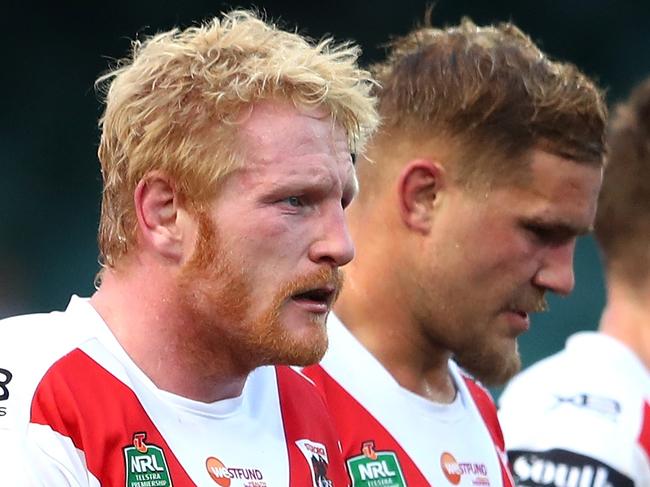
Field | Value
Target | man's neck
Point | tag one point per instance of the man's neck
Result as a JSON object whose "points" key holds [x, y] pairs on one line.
{"points": [[389, 334], [627, 318], [147, 323]]}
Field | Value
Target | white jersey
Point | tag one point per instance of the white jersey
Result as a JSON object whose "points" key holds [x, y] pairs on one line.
{"points": [[580, 418], [394, 438], [76, 411]]}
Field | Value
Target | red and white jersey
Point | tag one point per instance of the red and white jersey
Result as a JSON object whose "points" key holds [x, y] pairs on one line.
{"points": [[394, 438], [75, 410], [580, 417]]}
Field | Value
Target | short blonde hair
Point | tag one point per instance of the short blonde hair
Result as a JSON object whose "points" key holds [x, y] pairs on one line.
{"points": [[171, 106], [491, 89]]}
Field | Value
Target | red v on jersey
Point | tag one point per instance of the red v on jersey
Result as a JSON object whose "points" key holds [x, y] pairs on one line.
{"points": [[80, 400], [358, 428], [307, 442]]}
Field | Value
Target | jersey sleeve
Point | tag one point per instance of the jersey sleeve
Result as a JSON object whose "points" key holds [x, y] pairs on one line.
{"points": [[32, 454], [40, 459], [54, 460]]}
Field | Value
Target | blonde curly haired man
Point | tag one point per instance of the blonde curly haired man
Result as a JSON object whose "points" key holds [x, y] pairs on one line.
{"points": [[226, 155]]}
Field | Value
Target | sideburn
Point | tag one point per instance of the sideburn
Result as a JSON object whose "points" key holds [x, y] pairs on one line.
{"points": [[217, 297]]}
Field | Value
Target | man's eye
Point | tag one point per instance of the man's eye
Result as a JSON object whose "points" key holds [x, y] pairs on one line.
{"points": [[539, 232], [551, 236], [294, 201]]}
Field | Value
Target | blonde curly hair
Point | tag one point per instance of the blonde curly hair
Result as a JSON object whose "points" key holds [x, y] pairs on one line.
{"points": [[173, 103]]}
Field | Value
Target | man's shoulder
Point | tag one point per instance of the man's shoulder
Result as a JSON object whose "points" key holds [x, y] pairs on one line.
{"points": [[580, 374], [27, 337], [29, 347], [552, 411], [34, 337], [13, 325]]}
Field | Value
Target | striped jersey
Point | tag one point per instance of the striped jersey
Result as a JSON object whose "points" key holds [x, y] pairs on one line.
{"points": [[76, 411], [392, 437]]}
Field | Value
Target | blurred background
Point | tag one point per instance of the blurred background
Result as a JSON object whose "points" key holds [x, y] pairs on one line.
{"points": [[53, 51]]}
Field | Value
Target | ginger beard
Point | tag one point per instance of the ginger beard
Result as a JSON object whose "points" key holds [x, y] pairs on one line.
{"points": [[217, 293]]}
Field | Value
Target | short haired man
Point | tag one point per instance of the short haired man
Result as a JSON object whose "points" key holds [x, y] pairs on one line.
{"points": [[226, 159], [486, 168], [582, 416]]}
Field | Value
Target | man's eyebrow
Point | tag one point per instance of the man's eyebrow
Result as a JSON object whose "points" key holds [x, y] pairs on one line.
{"points": [[559, 227]]}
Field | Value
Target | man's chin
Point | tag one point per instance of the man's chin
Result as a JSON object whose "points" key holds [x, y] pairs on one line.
{"points": [[299, 355], [491, 369], [306, 359], [300, 347]]}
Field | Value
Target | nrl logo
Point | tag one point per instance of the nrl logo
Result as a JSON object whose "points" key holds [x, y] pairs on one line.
{"points": [[145, 464], [375, 468]]}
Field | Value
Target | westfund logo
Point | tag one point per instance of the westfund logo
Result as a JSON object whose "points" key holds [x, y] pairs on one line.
{"points": [[562, 468]]}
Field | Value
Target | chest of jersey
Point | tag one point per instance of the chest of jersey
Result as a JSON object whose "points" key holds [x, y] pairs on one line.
{"points": [[390, 441], [127, 435]]}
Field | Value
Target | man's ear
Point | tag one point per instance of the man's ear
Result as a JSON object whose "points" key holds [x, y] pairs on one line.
{"points": [[419, 184], [158, 207]]}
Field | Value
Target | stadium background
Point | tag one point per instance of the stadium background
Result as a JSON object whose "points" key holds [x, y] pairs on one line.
{"points": [[53, 51]]}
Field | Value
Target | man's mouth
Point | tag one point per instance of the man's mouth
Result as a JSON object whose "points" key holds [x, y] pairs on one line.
{"points": [[519, 320], [316, 292], [523, 314], [527, 305], [321, 297]]}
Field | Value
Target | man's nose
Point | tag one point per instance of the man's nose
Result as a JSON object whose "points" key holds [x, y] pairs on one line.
{"points": [[334, 245], [556, 271]]}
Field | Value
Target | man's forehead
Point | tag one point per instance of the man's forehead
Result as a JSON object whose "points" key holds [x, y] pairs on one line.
{"points": [[281, 106], [274, 132], [298, 144], [268, 116], [552, 171], [558, 192], [538, 170]]}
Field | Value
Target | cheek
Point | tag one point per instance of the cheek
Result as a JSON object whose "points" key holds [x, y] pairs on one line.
{"points": [[503, 253], [298, 231], [276, 228], [269, 242]]}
